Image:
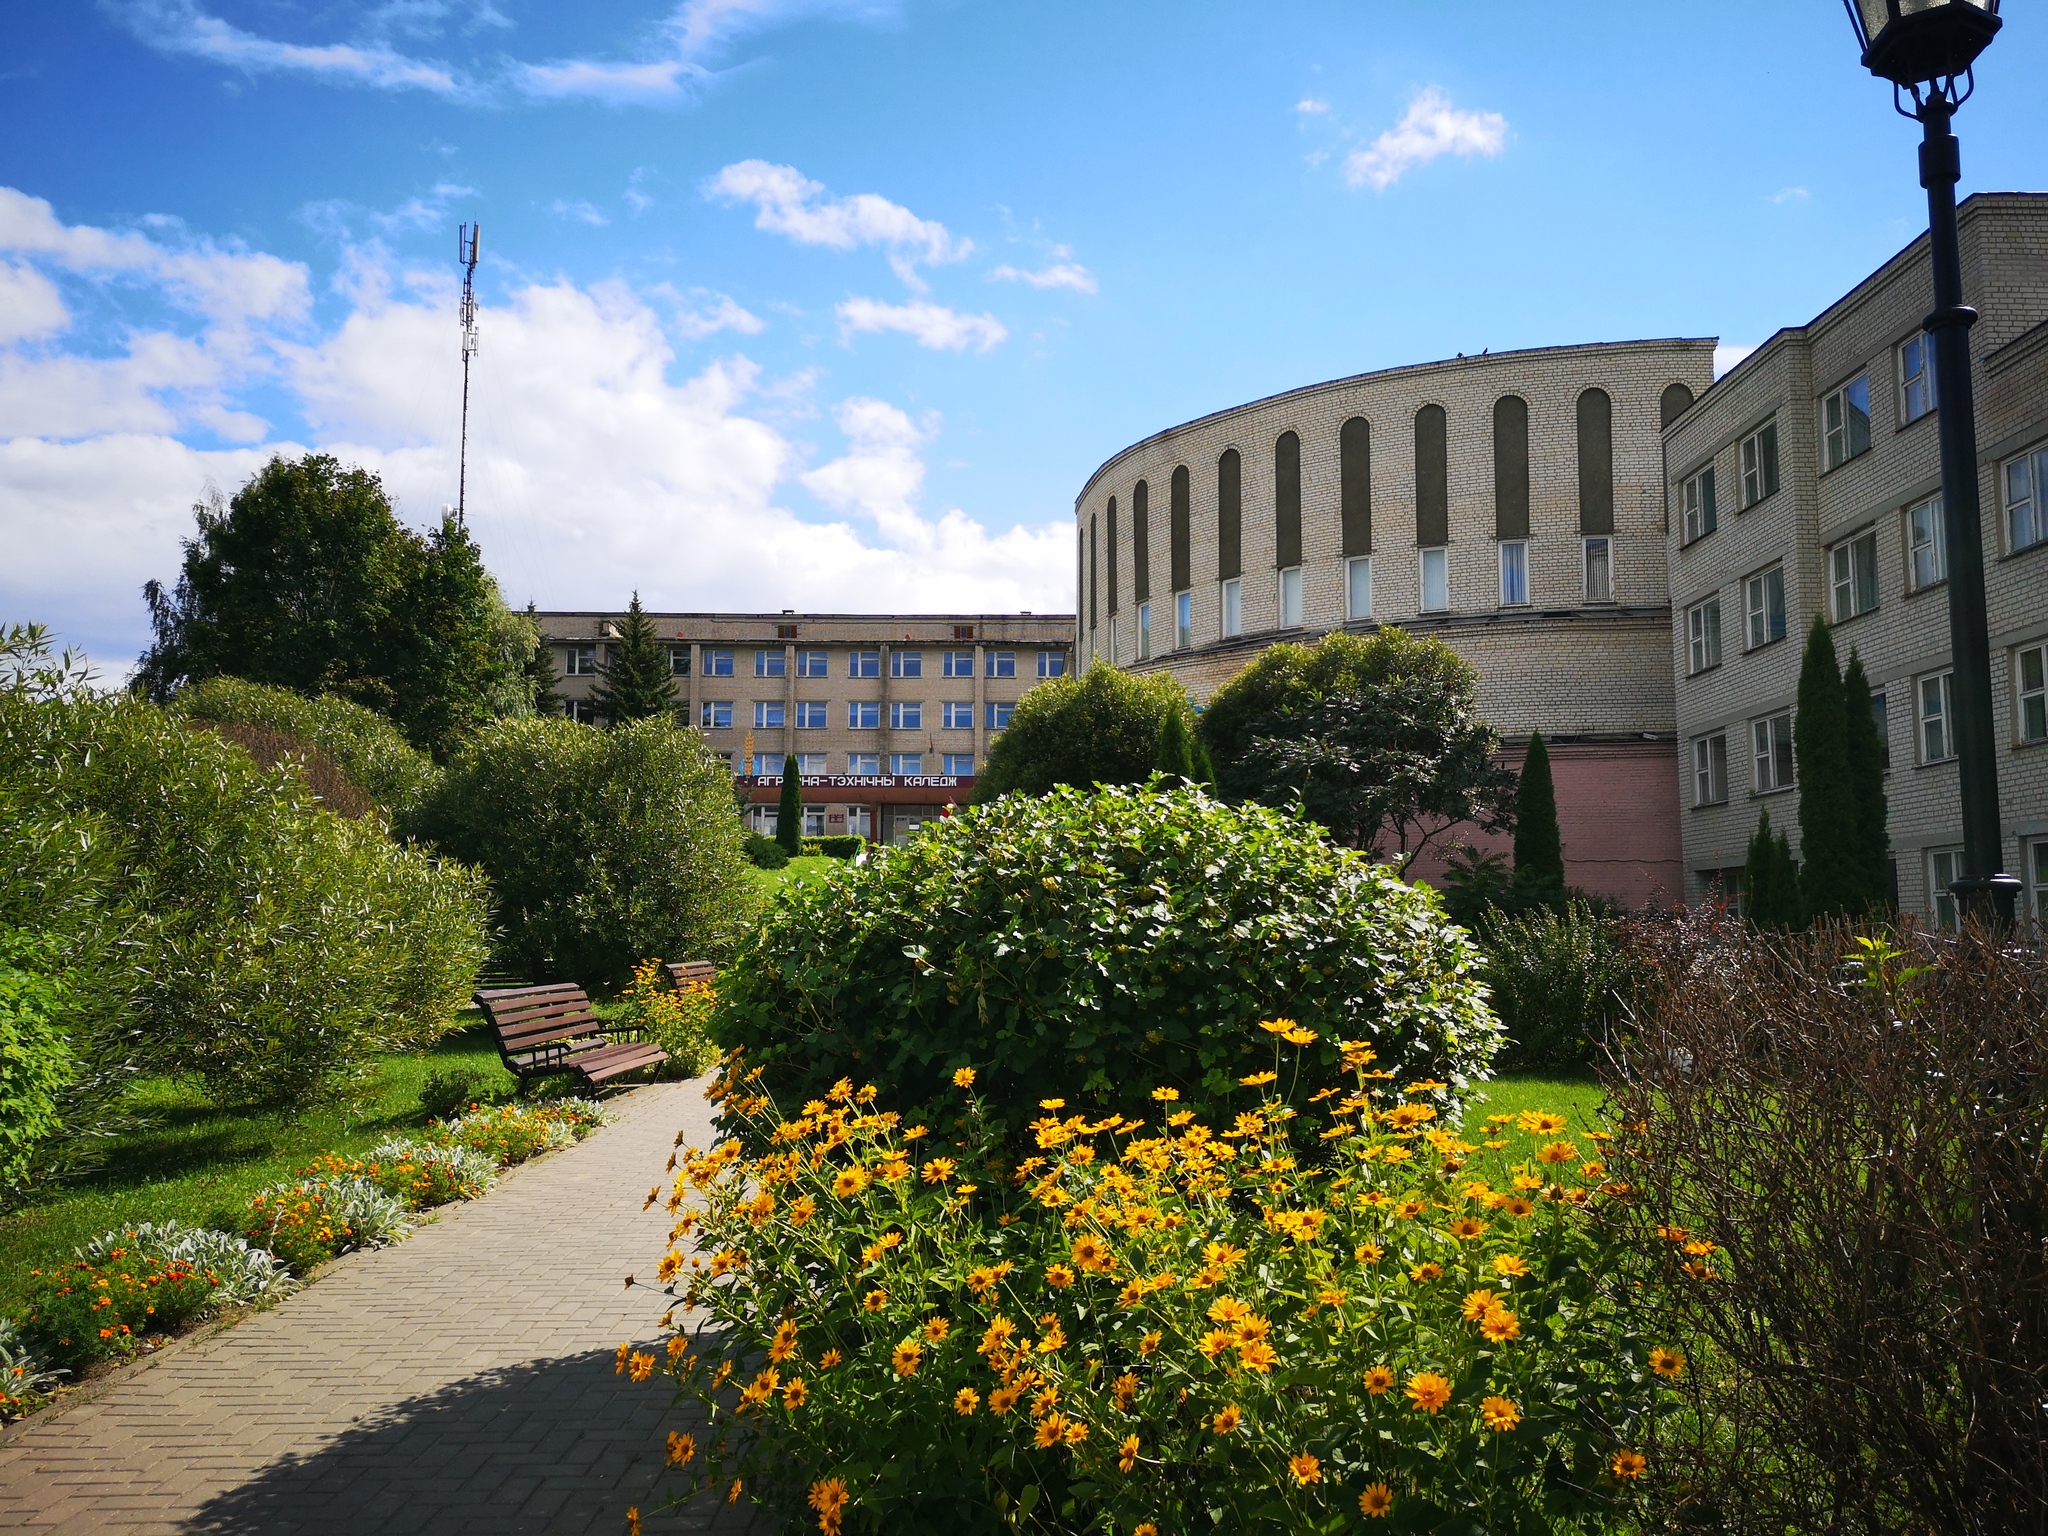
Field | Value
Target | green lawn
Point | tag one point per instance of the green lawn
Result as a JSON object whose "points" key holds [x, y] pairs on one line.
{"points": [[809, 865], [194, 1161]]}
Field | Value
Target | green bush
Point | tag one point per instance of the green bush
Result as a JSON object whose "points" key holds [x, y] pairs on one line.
{"points": [[835, 847], [1100, 728], [368, 748], [766, 852], [1559, 977], [1093, 946], [445, 1092], [601, 846]]}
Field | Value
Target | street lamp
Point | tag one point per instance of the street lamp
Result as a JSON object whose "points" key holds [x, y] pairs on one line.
{"points": [[1926, 49]]}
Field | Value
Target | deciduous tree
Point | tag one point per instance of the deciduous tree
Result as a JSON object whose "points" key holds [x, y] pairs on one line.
{"points": [[1099, 728]]}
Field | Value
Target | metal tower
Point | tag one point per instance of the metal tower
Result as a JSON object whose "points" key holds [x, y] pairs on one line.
{"points": [[466, 239]]}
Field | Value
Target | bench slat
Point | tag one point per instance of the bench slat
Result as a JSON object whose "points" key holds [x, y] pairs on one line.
{"points": [[552, 1028]]}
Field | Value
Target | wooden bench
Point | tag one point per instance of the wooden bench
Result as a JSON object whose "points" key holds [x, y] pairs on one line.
{"points": [[543, 1031], [682, 972]]}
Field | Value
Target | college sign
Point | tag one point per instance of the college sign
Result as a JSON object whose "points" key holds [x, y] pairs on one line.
{"points": [[865, 781]]}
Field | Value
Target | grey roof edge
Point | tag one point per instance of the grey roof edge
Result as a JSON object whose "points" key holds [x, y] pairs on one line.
{"points": [[783, 616]]}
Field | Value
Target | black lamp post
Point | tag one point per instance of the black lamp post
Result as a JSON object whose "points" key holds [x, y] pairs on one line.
{"points": [[1926, 49]]}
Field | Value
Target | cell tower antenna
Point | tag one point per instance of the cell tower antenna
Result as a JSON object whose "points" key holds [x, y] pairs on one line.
{"points": [[467, 238]]}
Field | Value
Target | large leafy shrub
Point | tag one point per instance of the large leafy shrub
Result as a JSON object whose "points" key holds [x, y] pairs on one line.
{"points": [[1166, 1325], [1561, 978], [602, 846], [365, 746], [1099, 728], [1092, 945]]}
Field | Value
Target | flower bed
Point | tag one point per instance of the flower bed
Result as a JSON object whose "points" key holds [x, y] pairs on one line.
{"points": [[1297, 1319]]}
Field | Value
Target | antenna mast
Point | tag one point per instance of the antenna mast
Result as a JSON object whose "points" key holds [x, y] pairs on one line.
{"points": [[466, 239]]}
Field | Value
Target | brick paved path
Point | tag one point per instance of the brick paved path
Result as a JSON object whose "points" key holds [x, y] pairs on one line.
{"points": [[460, 1381]]}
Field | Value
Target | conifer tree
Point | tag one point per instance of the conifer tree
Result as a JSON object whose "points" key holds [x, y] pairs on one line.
{"points": [[1771, 882], [1205, 771], [1832, 878], [1866, 788], [1539, 851], [789, 817], [1176, 752], [539, 670], [635, 682]]}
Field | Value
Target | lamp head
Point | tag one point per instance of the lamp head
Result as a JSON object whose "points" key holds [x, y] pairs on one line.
{"points": [[1913, 42]]}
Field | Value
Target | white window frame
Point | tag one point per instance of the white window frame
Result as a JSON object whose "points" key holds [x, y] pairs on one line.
{"points": [[579, 661], [863, 663], [1144, 631], [1604, 543], [1053, 663], [814, 821], [813, 664], [1290, 597], [2030, 690], [1514, 573], [766, 765], [863, 765], [1111, 652], [999, 713], [906, 714], [773, 663], [1917, 397], [956, 715], [679, 661], [1758, 461], [1710, 769], [1231, 595], [811, 763], [1763, 626], [959, 765], [2025, 485], [1926, 544], [582, 711], [1433, 569], [1849, 562], [1002, 663], [1703, 636], [1701, 514], [709, 715], [1358, 587], [1934, 707], [906, 663], [1772, 768], [1944, 868], [1839, 410], [2034, 867], [907, 764], [1184, 621], [857, 718], [813, 715], [958, 664], [769, 715]]}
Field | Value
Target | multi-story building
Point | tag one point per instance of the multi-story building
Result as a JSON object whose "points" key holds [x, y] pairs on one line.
{"points": [[1808, 481], [886, 715], [1510, 503]]}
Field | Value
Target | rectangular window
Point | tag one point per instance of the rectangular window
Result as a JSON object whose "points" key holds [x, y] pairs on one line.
{"points": [[811, 717], [2037, 877], [999, 715], [1916, 378], [906, 663], [960, 765], [1110, 649], [959, 717], [1436, 580], [1144, 631], [1760, 464], [770, 663], [679, 661], [718, 663], [1290, 597], [1926, 544], [811, 763], [814, 821], [906, 715], [1882, 719], [717, 714], [768, 764], [812, 664], [1002, 663], [1697, 496], [863, 663], [2030, 671], [864, 715], [1944, 869], [579, 661], [1514, 573], [1710, 769], [2026, 500], [582, 711], [1937, 716], [907, 762], [1184, 620], [1853, 564], [768, 714], [958, 664], [1764, 596], [1054, 663], [1600, 570], [1358, 588], [1771, 751], [863, 765], [1703, 636], [1233, 607], [1845, 421]]}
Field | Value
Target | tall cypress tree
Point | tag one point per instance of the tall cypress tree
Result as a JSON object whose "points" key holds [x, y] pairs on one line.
{"points": [[1539, 851], [635, 682], [1770, 896], [789, 817], [1832, 877], [1176, 751], [1866, 788]]}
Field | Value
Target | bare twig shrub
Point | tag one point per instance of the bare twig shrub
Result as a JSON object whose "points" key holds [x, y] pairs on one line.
{"points": [[1837, 1139]]}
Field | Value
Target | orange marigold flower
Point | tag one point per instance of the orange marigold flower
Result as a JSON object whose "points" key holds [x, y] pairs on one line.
{"points": [[1226, 1420], [1500, 1414], [1668, 1363], [1628, 1465], [1379, 1381], [965, 1401], [1428, 1391], [1306, 1469], [1375, 1501], [1127, 1454]]}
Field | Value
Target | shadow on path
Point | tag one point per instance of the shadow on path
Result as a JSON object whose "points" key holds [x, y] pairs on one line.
{"points": [[562, 1445]]}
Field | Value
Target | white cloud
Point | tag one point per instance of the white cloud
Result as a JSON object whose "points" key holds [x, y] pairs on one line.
{"points": [[1061, 274], [789, 203], [1791, 195], [1310, 106], [30, 304], [582, 213], [718, 312], [1430, 127], [655, 83], [1728, 354], [930, 325], [179, 26]]}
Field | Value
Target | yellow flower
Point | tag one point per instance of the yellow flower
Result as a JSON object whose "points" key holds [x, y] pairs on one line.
{"points": [[795, 1392], [965, 1401], [1003, 1399], [671, 1265], [1076, 1432], [830, 1358], [1215, 1342], [1330, 1298], [851, 1181], [1405, 1117], [1500, 1325], [936, 1329], [680, 1448], [828, 1498], [1426, 1271], [1125, 1391], [938, 1170], [1539, 1122], [1367, 1253], [1379, 1381], [906, 1357], [633, 1520], [619, 1363], [1257, 1356], [1628, 1465], [1164, 1096], [1375, 1501], [998, 1335], [1408, 1210], [982, 1282], [1306, 1469], [1475, 1305], [1144, 1528], [1300, 1036], [874, 1301], [1668, 1363], [784, 1343], [1052, 1103], [1500, 1414], [1127, 1454], [1428, 1391], [1512, 1265], [964, 1078], [641, 1366], [1227, 1420], [1466, 1227], [1150, 1343], [1050, 1428], [1276, 1026], [1058, 1276], [1092, 1256], [1260, 1079], [1557, 1152], [1518, 1205]]}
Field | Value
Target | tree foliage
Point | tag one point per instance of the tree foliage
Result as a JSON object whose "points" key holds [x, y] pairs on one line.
{"points": [[1176, 750], [368, 748], [1832, 870], [1539, 849], [537, 670], [1377, 737], [789, 816], [1099, 728], [1866, 753], [1770, 881], [635, 682]]}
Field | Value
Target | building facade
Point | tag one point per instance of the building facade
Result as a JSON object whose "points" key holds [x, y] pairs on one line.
{"points": [[887, 716], [1511, 504], [1808, 481]]}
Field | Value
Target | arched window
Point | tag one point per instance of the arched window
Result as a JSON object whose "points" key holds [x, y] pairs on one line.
{"points": [[1596, 462], [1141, 542], [1432, 478], [1287, 501], [1109, 544], [1177, 528], [1094, 565], [1354, 485], [1511, 467], [1229, 515], [1673, 403]]}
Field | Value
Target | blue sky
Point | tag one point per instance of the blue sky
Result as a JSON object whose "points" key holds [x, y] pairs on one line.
{"points": [[796, 303]]}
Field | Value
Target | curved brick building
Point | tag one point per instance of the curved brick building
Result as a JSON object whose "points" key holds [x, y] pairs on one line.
{"points": [[1511, 504]]}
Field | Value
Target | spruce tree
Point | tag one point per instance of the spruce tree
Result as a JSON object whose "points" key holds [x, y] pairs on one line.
{"points": [[789, 817], [1832, 877], [1176, 752], [634, 682], [539, 670], [1539, 852], [1866, 788], [1205, 771], [1770, 882]]}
